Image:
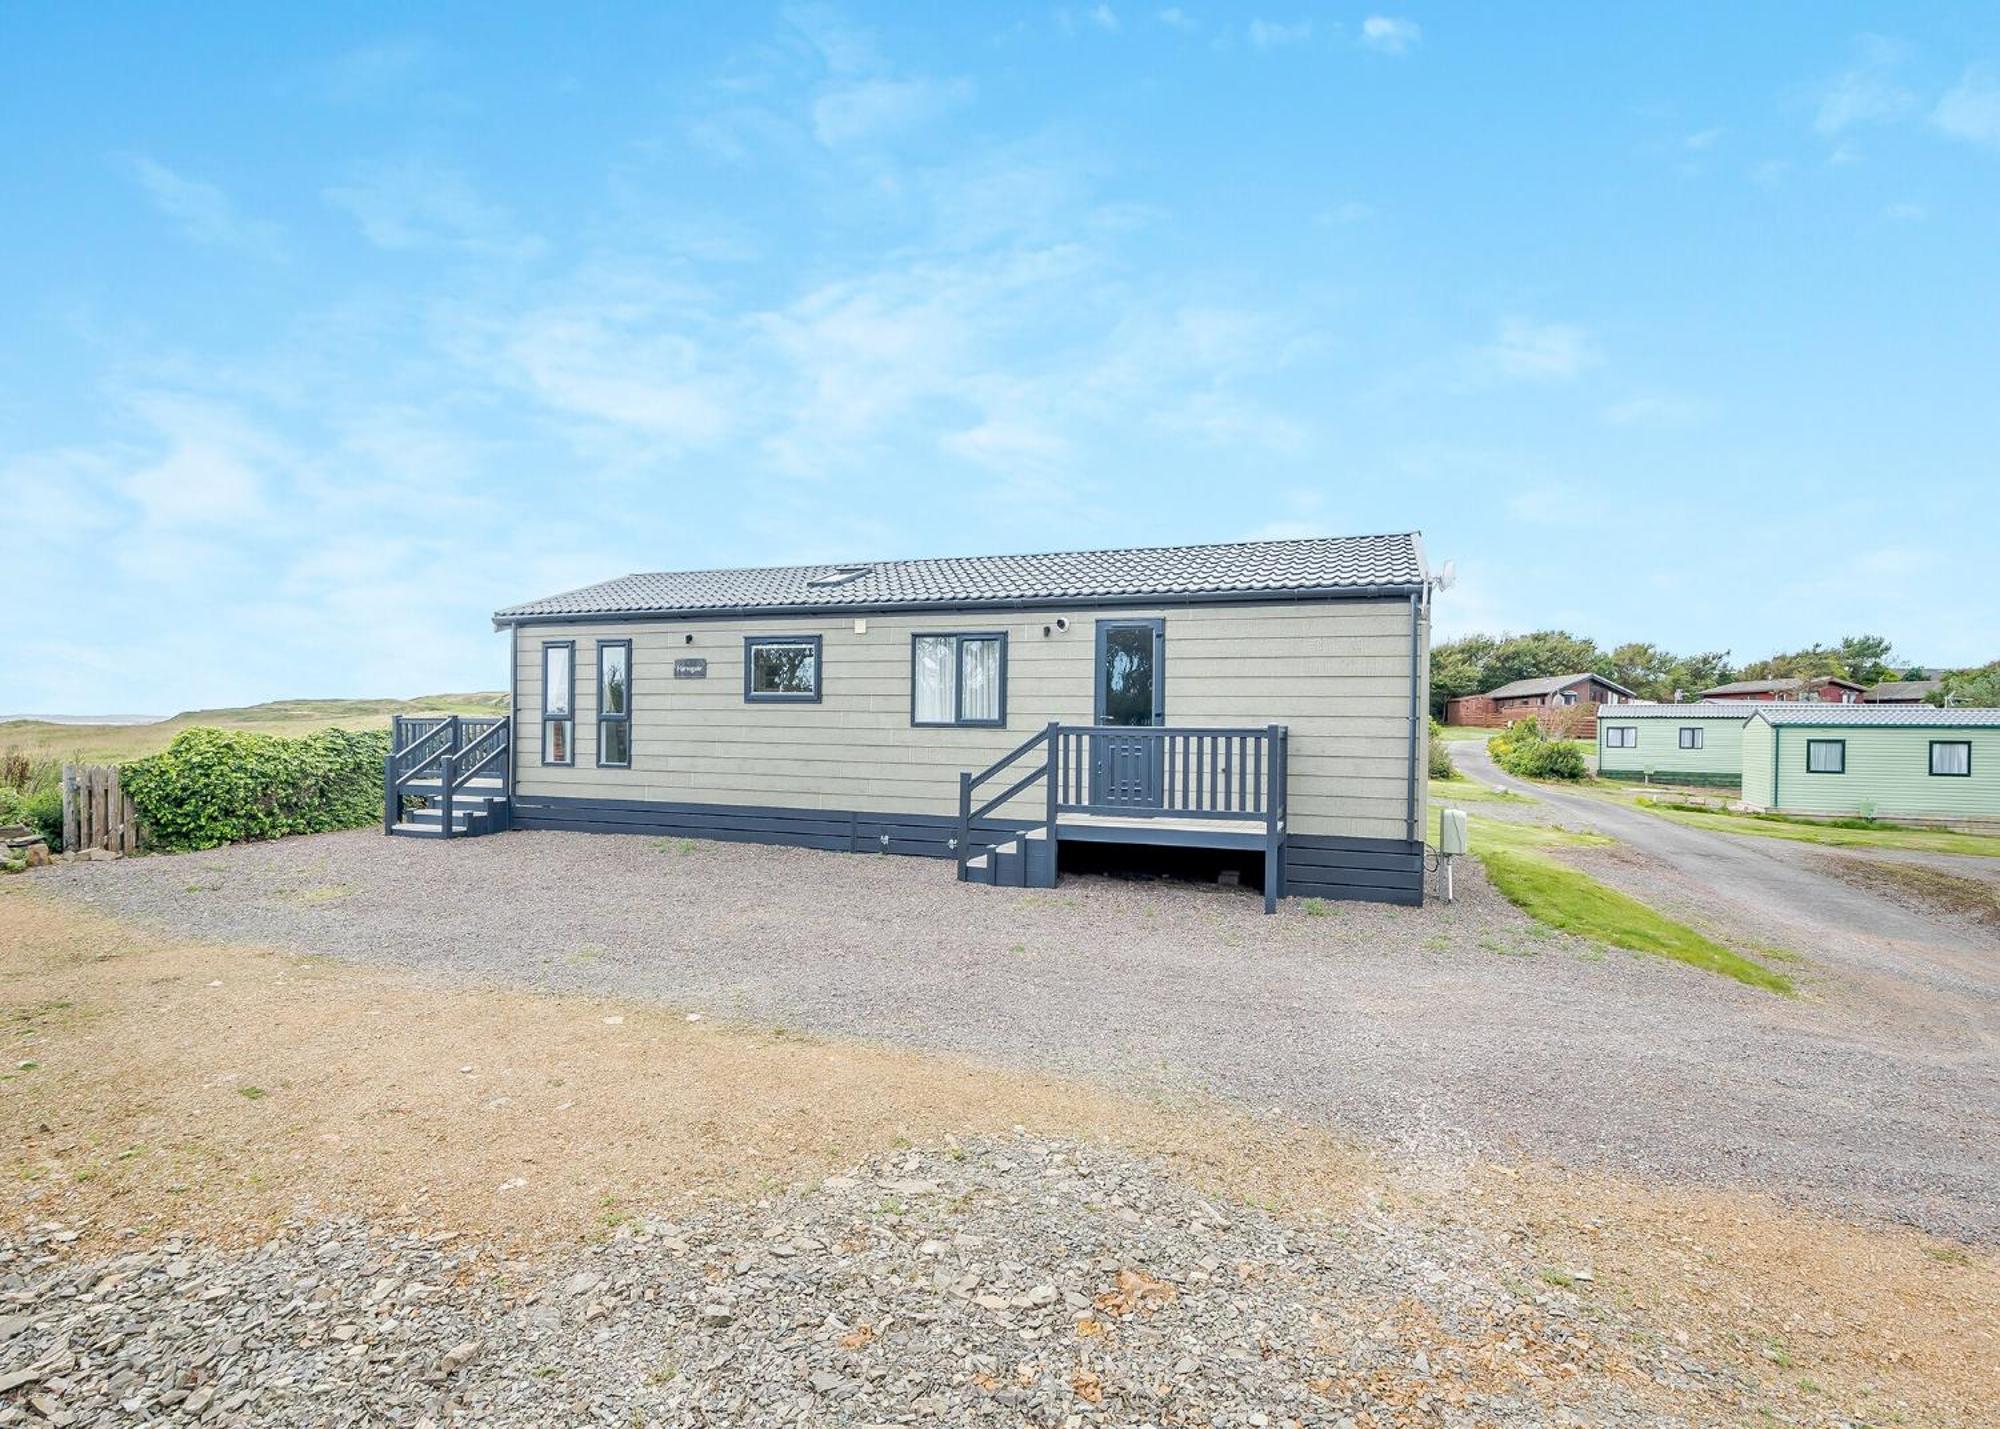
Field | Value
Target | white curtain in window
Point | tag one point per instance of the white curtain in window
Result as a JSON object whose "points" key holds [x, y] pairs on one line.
{"points": [[933, 675], [1952, 758], [555, 680], [980, 662]]}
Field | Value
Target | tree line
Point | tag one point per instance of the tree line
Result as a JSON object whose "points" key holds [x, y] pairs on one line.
{"points": [[1474, 664]]}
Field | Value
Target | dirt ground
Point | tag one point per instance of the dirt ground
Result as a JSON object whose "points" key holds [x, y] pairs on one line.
{"points": [[164, 1086]]}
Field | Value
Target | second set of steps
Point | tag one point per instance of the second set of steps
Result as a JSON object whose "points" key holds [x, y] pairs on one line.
{"points": [[477, 807], [1024, 860]]}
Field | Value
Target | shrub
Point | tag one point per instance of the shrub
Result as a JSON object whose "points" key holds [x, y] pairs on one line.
{"points": [[1441, 765], [1524, 751], [213, 786], [43, 809]]}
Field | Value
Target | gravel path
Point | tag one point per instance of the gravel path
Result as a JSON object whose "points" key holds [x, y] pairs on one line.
{"points": [[1439, 1032], [1012, 1282]]}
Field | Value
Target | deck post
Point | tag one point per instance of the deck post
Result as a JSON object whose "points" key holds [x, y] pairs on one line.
{"points": [[447, 771], [1274, 869], [389, 797], [964, 817], [1054, 770]]}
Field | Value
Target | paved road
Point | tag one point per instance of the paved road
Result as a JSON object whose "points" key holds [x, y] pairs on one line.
{"points": [[1782, 891]]}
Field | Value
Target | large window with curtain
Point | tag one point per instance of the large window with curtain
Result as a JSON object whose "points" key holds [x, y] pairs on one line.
{"points": [[559, 702], [959, 679], [1952, 758], [1826, 756], [614, 704]]}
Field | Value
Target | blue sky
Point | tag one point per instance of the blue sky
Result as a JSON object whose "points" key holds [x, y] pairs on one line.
{"points": [[327, 330]]}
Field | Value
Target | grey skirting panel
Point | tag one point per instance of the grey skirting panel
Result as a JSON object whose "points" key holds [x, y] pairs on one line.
{"points": [[1316, 866], [839, 831], [1363, 870]]}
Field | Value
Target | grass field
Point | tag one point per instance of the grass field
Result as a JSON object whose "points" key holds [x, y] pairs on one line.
{"points": [[109, 743], [1552, 893], [1831, 835]]}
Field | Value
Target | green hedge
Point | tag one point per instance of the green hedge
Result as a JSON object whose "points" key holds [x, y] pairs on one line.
{"points": [[1525, 752], [214, 786]]}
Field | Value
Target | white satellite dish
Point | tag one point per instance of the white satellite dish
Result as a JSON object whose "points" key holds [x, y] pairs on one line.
{"points": [[1447, 574]]}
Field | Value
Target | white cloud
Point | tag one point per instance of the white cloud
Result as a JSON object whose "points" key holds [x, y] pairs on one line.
{"points": [[410, 204], [214, 471], [875, 108], [205, 214], [1702, 139], [1175, 18], [1390, 36], [1540, 352], [1351, 211], [1105, 18], [1906, 212], [1274, 34], [1654, 410], [1970, 110], [1868, 92]]}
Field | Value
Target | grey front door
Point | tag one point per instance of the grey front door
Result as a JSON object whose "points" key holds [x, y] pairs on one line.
{"points": [[1125, 766]]}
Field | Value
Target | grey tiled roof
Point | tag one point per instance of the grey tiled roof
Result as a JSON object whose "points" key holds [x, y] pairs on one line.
{"points": [[1901, 690], [1548, 685], [1333, 564], [1775, 687], [1687, 709], [1860, 715]]}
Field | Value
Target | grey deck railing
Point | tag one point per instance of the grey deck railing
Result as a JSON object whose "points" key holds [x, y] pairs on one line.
{"points": [[1138, 772], [453, 749]]}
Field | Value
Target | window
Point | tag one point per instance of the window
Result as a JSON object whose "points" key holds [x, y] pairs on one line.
{"points": [[1826, 756], [958, 679], [1621, 736], [1952, 758], [1692, 737], [559, 702], [614, 704], [781, 669]]}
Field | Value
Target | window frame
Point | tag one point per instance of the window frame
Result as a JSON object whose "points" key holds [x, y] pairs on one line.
{"points": [[1621, 729], [1700, 740], [569, 715], [752, 696], [625, 718], [1931, 758], [1840, 744], [958, 639]]}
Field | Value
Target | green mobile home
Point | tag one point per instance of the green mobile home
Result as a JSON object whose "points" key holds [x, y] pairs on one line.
{"points": [[1892, 761], [1673, 744]]}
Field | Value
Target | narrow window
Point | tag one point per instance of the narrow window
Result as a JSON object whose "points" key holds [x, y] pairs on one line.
{"points": [[1952, 757], [1826, 756], [614, 704], [1691, 738], [558, 702], [1621, 736], [782, 669], [958, 679]]}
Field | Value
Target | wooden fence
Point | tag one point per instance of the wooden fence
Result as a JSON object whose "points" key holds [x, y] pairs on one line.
{"points": [[96, 812]]}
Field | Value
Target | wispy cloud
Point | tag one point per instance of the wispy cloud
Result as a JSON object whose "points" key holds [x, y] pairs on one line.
{"points": [[1970, 110], [1867, 92], [204, 213], [1906, 212], [408, 204], [1540, 352], [861, 98], [1276, 34], [1390, 36], [1655, 410], [1702, 139], [1175, 18]]}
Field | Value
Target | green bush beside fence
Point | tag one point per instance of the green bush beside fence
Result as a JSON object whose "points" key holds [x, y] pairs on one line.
{"points": [[213, 786]]}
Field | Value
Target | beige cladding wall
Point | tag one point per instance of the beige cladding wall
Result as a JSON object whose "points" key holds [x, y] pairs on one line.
{"points": [[1337, 673]]}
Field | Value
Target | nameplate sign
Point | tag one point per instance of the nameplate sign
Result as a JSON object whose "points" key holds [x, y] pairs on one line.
{"points": [[691, 669]]}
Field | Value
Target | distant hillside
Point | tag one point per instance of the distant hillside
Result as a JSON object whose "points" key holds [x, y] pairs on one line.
{"points": [[106, 743]]}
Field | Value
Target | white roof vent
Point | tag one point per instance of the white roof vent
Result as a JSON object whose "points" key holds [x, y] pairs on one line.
{"points": [[838, 576]]}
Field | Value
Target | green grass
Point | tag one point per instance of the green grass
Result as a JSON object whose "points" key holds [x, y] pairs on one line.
{"points": [[111, 743], [1576, 903], [1842, 835], [1567, 899], [1471, 791]]}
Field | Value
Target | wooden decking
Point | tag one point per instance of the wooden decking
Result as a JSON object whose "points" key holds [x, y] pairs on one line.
{"points": [[1162, 829]]}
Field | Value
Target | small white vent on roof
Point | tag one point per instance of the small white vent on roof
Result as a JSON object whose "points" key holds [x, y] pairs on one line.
{"points": [[840, 575]]}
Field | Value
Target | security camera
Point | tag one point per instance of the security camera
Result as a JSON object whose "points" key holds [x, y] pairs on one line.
{"points": [[1062, 622]]}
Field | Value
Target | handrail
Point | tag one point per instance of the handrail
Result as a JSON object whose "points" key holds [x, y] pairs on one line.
{"points": [[459, 749], [968, 781], [498, 750]]}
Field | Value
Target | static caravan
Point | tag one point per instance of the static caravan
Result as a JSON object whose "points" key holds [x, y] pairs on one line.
{"points": [[1700, 744], [1888, 761], [1263, 696]]}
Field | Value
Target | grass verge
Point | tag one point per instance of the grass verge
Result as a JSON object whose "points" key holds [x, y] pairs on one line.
{"points": [[1576, 903], [1471, 791], [1929, 890], [1831, 835]]}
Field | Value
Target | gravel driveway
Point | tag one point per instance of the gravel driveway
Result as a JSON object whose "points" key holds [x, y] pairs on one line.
{"points": [[1435, 1032]]}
